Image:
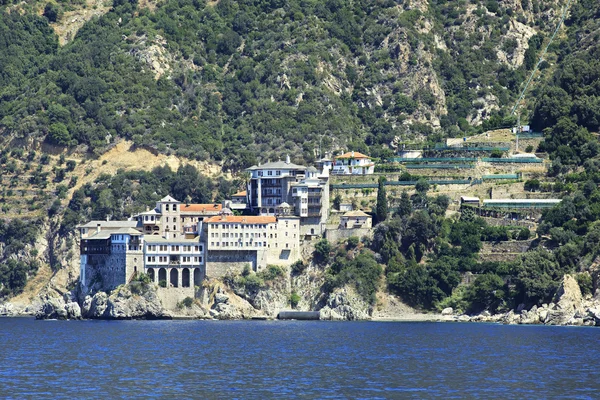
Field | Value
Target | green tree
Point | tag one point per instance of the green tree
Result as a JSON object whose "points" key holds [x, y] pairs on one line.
{"points": [[337, 201], [322, 251], [405, 205], [382, 204], [52, 12], [59, 134], [486, 293]]}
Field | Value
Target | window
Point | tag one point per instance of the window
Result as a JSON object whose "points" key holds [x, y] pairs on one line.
{"points": [[167, 219], [270, 173], [196, 248], [174, 228], [278, 173], [174, 219]]}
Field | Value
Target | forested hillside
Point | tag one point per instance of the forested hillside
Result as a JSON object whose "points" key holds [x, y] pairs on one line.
{"points": [[234, 81], [241, 82]]}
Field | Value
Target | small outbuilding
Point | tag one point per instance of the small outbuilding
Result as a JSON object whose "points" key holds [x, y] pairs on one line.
{"points": [[356, 220]]}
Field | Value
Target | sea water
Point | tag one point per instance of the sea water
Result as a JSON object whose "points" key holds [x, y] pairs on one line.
{"points": [[293, 359]]}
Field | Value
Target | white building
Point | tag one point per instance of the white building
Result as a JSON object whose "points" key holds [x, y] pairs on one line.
{"points": [[233, 242], [177, 262], [353, 163]]}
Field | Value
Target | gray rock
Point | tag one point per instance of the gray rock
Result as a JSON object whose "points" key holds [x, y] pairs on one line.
{"points": [[542, 315], [122, 304], [447, 311], [73, 310], [568, 301], [345, 304], [485, 313], [98, 306], [52, 308], [221, 298]]}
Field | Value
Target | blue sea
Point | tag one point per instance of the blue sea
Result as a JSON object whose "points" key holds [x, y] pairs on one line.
{"points": [[293, 359]]}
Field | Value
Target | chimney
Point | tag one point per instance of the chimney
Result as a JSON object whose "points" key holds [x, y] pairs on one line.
{"points": [[167, 234], [352, 153], [97, 228], [287, 159]]}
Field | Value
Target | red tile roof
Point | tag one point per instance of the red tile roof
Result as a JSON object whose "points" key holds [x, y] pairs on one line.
{"points": [[201, 207], [352, 154], [241, 219], [240, 194]]}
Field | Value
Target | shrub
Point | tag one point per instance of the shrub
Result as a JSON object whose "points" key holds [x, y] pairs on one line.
{"points": [[187, 302], [322, 250], [142, 277], [496, 153], [298, 267], [162, 283], [294, 299], [523, 234], [271, 273], [352, 242], [585, 283], [529, 149]]}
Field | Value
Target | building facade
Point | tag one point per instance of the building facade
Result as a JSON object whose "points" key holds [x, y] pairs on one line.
{"points": [[302, 192], [232, 242], [353, 163]]}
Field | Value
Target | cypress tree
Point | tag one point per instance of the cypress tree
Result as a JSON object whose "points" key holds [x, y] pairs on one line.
{"points": [[382, 205], [405, 206]]}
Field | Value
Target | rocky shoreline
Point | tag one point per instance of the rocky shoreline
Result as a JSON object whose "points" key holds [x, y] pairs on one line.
{"points": [[220, 302]]}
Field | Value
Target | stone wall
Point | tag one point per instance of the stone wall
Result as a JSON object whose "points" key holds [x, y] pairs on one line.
{"points": [[112, 270], [169, 297], [334, 234], [219, 262], [106, 269]]}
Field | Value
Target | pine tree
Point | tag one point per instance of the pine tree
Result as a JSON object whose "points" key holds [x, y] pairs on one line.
{"points": [[382, 205]]}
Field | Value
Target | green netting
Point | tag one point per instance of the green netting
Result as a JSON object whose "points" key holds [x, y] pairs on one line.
{"points": [[406, 183], [501, 176], [480, 148], [439, 166], [518, 206], [513, 160], [433, 160]]}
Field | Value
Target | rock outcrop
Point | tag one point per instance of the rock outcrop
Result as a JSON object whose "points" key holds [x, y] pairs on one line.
{"points": [[568, 307], [123, 304], [345, 304], [59, 308]]}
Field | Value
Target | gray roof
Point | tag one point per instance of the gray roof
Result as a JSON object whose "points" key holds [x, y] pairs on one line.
{"points": [[109, 224], [169, 199], [277, 165], [312, 169], [98, 236], [127, 231]]}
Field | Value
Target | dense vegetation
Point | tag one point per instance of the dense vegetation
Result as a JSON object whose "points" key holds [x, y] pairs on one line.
{"points": [[241, 79], [17, 254], [127, 193]]}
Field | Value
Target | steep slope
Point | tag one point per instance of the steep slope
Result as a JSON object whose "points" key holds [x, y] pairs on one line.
{"points": [[232, 80]]}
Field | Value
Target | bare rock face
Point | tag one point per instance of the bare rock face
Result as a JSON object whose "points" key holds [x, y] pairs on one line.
{"points": [[142, 303], [52, 308], [568, 302], [346, 304]]}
